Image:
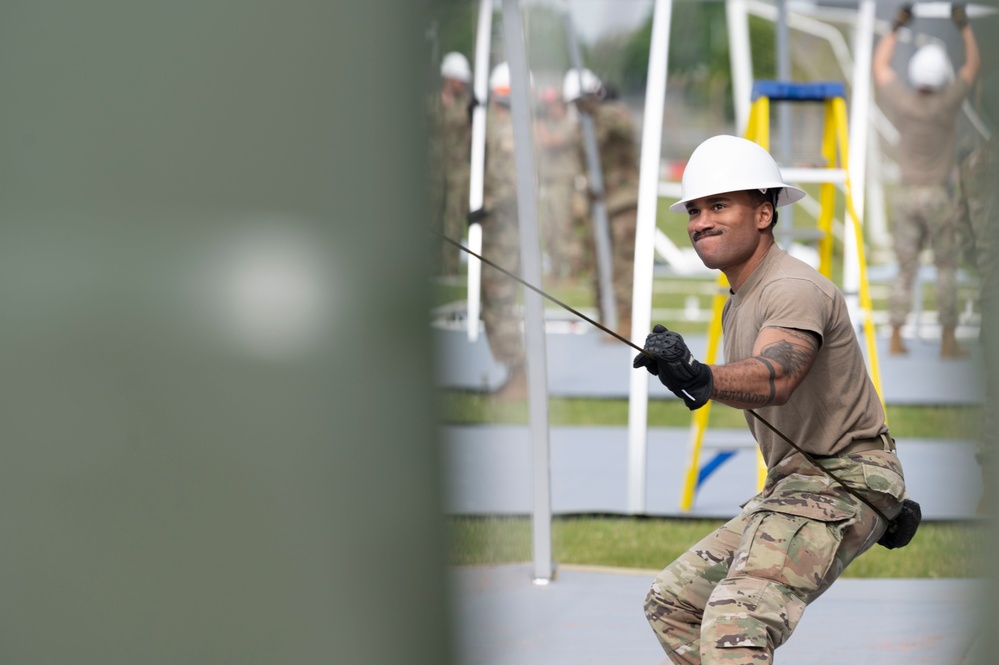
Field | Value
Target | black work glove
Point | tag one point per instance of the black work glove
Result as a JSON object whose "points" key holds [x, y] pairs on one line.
{"points": [[470, 109], [901, 529], [959, 14], [476, 216], [902, 17], [676, 367]]}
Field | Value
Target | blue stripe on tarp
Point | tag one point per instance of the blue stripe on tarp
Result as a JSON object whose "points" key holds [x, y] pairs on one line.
{"points": [[715, 462]]}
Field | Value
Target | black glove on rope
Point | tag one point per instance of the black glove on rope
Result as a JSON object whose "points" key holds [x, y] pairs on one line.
{"points": [[902, 17], [676, 367], [959, 15]]}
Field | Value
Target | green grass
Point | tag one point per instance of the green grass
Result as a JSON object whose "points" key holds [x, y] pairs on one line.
{"points": [[939, 550], [460, 407]]}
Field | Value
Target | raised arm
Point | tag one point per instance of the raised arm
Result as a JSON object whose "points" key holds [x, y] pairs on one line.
{"points": [[972, 58], [781, 360], [881, 60]]}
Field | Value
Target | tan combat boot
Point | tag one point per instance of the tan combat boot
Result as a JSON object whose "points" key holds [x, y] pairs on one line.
{"points": [[897, 346], [949, 347], [515, 388], [624, 327]]}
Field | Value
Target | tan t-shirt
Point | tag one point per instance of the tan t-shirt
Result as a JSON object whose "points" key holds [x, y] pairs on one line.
{"points": [[926, 124], [836, 403]]}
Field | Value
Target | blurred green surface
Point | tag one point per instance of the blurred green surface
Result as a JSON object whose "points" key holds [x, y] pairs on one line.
{"points": [[196, 466]]}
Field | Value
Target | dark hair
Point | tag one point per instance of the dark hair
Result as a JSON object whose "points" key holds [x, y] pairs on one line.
{"points": [[758, 198]]}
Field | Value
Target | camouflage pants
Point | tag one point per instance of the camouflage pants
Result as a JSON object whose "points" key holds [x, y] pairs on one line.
{"points": [[623, 226], [584, 261], [921, 215], [978, 174], [561, 243], [501, 245], [978, 178], [738, 594], [453, 222]]}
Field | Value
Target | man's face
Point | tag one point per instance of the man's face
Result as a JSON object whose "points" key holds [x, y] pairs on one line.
{"points": [[452, 86], [727, 229]]}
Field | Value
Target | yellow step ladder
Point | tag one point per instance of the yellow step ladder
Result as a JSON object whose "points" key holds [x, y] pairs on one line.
{"points": [[834, 152]]}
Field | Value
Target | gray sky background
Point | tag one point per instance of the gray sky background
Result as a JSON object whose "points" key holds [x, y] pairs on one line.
{"points": [[594, 18]]}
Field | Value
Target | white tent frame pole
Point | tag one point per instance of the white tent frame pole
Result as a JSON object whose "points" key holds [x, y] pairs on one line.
{"points": [[860, 105], [648, 198], [480, 88], [534, 322], [877, 219], [741, 61]]}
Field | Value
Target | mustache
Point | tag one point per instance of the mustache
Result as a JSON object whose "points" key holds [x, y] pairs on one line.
{"points": [[704, 234]]}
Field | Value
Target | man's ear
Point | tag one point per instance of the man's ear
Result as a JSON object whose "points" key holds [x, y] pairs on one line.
{"points": [[764, 215]]}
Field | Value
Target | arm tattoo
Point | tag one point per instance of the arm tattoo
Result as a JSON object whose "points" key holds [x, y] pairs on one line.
{"points": [[793, 358], [741, 397], [773, 375]]}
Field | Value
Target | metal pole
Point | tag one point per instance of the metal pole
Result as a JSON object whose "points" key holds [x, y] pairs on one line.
{"points": [[741, 61], [478, 165], [860, 102], [530, 254], [648, 198], [784, 110], [783, 72], [601, 226], [877, 221]]}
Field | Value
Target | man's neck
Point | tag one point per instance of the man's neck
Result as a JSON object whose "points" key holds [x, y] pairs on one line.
{"points": [[737, 275]]}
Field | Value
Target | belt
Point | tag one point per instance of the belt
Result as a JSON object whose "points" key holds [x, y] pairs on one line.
{"points": [[880, 442]]}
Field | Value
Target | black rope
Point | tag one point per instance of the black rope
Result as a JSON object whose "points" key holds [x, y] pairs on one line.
{"points": [[816, 464], [543, 294]]}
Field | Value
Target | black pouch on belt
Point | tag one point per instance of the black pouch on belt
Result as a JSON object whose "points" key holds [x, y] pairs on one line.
{"points": [[902, 528]]}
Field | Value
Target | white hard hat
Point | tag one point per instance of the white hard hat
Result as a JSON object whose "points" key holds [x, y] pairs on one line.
{"points": [[455, 66], [578, 83], [732, 164], [499, 80], [930, 67]]}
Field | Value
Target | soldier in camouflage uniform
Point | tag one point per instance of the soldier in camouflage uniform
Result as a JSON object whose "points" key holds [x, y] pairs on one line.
{"points": [[450, 146], [926, 205], [979, 174], [792, 356], [616, 146], [501, 239], [558, 138]]}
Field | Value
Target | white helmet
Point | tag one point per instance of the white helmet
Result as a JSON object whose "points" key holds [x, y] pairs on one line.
{"points": [[499, 81], [930, 67], [732, 164], [578, 83], [455, 66]]}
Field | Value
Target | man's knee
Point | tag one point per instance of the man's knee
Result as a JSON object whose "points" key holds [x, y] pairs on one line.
{"points": [[660, 601], [675, 619], [749, 615]]}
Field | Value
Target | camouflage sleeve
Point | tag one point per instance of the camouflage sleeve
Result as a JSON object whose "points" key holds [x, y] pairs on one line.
{"points": [[612, 123]]}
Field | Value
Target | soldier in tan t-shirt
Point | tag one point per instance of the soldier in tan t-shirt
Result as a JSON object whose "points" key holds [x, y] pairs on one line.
{"points": [[925, 208], [792, 356]]}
